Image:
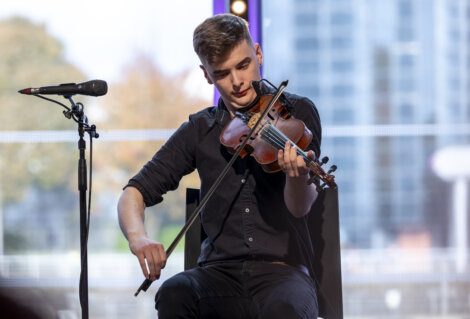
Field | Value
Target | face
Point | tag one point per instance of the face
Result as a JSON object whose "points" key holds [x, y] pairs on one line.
{"points": [[233, 75]]}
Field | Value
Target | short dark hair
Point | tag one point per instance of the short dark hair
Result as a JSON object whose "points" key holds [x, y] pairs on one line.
{"points": [[214, 38]]}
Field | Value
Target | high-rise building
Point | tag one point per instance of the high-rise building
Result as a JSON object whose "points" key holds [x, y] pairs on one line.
{"points": [[376, 69]]}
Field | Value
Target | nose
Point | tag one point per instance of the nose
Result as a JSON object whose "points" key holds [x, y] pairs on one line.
{"points": [[237, 80]]}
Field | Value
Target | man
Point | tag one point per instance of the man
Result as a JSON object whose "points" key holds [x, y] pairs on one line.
{"points": [[253, 262]]}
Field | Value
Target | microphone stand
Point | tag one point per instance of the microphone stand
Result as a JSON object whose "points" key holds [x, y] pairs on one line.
{"points": [[147, 282], [76, 112]]}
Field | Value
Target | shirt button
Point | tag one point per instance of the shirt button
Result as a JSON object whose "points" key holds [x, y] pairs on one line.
{"points": [[243, 181], [247, 210], [250, 239]]}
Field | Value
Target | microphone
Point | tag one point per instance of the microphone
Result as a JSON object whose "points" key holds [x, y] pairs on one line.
{"points": [[93, 88], [257, 85]]}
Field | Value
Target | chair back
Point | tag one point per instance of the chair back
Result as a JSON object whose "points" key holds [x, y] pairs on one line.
{"points": [[323, 224]]}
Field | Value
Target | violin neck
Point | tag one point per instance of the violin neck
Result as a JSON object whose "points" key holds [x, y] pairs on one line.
{"points": [[278, 140]]}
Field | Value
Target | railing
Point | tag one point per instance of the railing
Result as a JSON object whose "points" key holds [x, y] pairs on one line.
{"points": [[376, 283]]}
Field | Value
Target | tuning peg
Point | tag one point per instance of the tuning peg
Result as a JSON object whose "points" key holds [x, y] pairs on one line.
{"points": [[332, 169], [314, 179], [321, 187], [324, 160]]}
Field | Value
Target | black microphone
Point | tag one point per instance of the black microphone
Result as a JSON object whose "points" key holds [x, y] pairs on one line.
{"points": [[93, 88]]}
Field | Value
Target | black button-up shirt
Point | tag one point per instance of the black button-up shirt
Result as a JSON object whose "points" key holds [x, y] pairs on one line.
{"points": [[246, 218]]}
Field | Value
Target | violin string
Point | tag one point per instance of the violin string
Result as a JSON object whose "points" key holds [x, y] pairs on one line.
{"points": [[274, 138], [279, 139]]}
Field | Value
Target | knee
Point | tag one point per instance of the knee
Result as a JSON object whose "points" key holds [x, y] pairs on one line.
{"points": [[175, 295], [287, 309], [280, 309], [173, 289]]}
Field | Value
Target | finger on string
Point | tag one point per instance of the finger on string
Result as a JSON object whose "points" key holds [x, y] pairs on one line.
{"points": [[287, 158], [311, 154], [293, 161], [280, 160]]}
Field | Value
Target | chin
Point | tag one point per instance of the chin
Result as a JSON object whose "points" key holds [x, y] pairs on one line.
{"points": [[247, 100], [242, 102]]}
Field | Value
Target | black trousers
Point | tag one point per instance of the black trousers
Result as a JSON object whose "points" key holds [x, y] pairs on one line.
{"points": [[249, 289]]}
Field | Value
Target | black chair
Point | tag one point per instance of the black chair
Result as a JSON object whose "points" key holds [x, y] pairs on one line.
{"points": [[323, 224]]}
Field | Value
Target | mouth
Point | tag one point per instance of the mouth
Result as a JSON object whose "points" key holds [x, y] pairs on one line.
{"points": [[241, 93]]}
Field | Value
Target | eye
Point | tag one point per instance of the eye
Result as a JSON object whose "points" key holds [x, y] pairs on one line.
{"points": [[244, 66], [220, 75]]}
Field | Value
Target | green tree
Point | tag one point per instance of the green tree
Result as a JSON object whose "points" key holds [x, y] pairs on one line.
{"points": [[144, 99], [30, 56]]}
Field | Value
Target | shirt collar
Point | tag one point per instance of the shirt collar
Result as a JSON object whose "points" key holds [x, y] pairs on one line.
{"points": [[222, 115]]}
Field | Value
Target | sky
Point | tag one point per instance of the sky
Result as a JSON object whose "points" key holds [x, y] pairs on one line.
{"points": [[102, 37]]}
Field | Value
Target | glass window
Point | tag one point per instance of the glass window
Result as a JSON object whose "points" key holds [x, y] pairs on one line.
{"points": [[407, 61], [308, 66], [306, 19], [342, 90], [343, 116], [405, 33], [406, 113], [341, 18], [307, 44], [405, 8], [342, 66], [341, 42]]}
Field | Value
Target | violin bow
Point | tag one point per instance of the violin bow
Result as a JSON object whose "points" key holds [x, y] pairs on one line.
{"points": [[147, 282]]}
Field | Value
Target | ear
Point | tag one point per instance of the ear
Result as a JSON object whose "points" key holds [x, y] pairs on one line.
{"points": [[258, 53], [205, 74]]}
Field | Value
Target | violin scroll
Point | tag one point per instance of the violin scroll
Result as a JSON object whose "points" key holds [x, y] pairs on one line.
{"points": [[319, 177]]}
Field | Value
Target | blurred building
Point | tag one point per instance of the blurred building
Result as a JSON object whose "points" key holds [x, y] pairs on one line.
{"points": [[398, 68]]}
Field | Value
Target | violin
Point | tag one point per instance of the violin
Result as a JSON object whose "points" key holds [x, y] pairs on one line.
{"points": [[276, 128]]}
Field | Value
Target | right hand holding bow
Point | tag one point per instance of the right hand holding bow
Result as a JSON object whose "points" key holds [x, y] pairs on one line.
{"points": [[151, 255]]}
